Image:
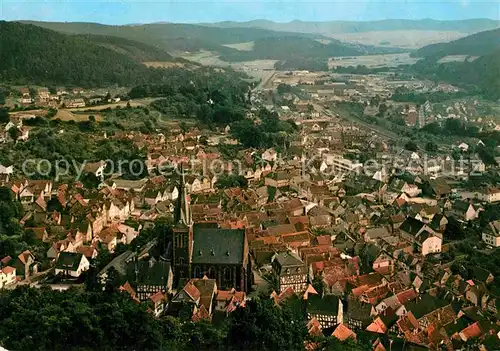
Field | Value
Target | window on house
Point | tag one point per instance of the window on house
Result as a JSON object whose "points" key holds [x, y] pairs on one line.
{"points": [[227, 274], [197, 272], [211, 272]]}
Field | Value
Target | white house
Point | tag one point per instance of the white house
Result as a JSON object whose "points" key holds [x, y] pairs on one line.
{"points": [[492, 234], [7, 276], [270, 155], [6, 170], [71, 264], [411, 190], [490, 194], [429, 243]]}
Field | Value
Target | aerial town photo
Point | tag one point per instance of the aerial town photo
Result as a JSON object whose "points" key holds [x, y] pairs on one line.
{"points": [[249, 175]]}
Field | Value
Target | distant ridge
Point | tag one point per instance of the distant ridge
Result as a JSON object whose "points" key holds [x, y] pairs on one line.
{"points": [[334, 27], [176, 39]]}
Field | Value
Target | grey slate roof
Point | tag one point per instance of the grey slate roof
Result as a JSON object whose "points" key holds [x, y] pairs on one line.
{"points": [[328, 304], [411, 226], [287, 259], [68, 261], [218, 246], [119, 263], [150, 272]]}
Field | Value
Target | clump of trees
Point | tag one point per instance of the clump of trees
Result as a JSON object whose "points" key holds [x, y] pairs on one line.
{"points": [[207, 95], [231, 181], [411, 146], [44, 319], [270, 132]]}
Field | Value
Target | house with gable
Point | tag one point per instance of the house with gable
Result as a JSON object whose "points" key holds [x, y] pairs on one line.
{"points": [[290, 271], [327, 310], [71, 264], [25, 264], [427, 240], [491, 235], [7, 276], [196, 299]]}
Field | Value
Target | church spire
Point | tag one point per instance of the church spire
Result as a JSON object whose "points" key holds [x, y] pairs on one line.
{"points": [[182, 214]]}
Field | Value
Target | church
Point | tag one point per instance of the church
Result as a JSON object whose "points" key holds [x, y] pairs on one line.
{"points": [[205, 249]]}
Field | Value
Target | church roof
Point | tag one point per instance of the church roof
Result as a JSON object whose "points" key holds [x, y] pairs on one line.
{"points": [[218, 246]]}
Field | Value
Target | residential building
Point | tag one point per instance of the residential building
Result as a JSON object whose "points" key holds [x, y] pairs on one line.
{"points": [[290, 272], [327, 310], [71, 264]]}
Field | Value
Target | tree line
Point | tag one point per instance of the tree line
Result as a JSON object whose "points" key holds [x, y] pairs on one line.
{"points": [[76, 319]]}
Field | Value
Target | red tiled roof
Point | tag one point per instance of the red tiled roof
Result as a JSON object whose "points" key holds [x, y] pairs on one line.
{"points": [[288, 292], [87, 251], [310, 290], [377, 326], [128, 288], [407, 295], [225, 295], [315, 331], [360, 290], [192, 291], [343, 333], [201, 313], [8, 270], [324, 240], [6, 260], [23, 257], [472, 331], [157, 297], [408, 323], [400, 201], [313, 323]]}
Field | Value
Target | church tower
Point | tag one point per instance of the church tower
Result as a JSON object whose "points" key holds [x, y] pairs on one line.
{"points": [[182, 215], [182, 231]]}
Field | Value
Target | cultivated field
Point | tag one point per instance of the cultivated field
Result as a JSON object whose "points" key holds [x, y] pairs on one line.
{"points": [[390, 60], [161, 64], [456, 58], [67, 115], [133, 103], [410, 39], [248, 46], [257, 68]]}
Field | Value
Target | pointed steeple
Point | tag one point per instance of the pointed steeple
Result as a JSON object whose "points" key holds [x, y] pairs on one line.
{"points": [[182, 215]]}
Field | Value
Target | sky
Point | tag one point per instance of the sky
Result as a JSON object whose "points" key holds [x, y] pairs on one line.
{"points": [[196, 11]]}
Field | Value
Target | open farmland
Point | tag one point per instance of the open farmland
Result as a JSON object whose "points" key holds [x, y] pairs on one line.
{"points": [[163, 64], [248, 46], [407, 39], [133, 103], [372, 61], [67, 115]]}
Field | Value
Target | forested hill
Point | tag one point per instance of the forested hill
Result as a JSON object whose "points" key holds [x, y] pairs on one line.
{"points": [[173, 37], [479, 44], [484, 73], [137, 51], [35, 55], [267, 44]]}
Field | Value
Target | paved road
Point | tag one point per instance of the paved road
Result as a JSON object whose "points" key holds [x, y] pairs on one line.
{"points": [[380, 131], [265, 81]]}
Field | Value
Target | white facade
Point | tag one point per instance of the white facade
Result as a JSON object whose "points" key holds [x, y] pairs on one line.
{"points": [[491, 239], [83, 266], [491, 195], [342, 164], [7, 276], [431, 245]]}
